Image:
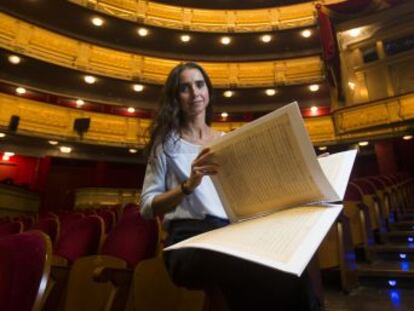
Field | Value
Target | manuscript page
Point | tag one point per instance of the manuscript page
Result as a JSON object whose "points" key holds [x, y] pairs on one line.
{"points": [[269, 165], [285, 240]]}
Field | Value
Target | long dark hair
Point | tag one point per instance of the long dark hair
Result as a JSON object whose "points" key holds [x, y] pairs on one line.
{"points": [[170, 118]]}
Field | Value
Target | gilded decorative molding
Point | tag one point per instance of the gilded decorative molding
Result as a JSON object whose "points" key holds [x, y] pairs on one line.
{"points": [[356, 122], [168, 16], [39, 43], [381, 113]]}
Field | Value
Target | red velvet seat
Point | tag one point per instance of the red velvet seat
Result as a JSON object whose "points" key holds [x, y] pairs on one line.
{"points": [[67, 219], [108, 217], [82, 238], [132, 239], [24, 270], [10, 228], [50, 226]]}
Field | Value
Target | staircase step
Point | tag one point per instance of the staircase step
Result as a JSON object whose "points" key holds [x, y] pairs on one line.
{"points": [[386, 274], [399, 236], [403, 225], [394, 252]]}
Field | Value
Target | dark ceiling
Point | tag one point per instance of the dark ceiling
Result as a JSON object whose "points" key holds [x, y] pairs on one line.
{"points": [[73, 20], [230, 4]]}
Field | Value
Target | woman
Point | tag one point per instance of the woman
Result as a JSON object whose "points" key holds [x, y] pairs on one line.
{"points": [[177, 186]]}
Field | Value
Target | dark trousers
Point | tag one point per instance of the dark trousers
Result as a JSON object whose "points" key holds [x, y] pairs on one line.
{"points": [[244, 284]]}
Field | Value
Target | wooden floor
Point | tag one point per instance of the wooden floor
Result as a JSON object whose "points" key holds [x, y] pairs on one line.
{"points": [[370, 299]]}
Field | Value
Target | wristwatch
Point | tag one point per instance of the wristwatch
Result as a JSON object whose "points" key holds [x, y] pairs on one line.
{"points": [[184, 189]]}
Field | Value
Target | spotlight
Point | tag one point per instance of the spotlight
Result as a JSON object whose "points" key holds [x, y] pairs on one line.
{"points": [[14, 59], [89, 79]]}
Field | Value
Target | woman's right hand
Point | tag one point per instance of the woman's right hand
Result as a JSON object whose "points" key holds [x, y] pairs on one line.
{"points": [[202, 165]]}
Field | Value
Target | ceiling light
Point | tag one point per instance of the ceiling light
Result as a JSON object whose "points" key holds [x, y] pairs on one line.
{"points": [[306, 33], [314, 109], [314, 87], [270, 92], [143, 32], [97, 21], [185, 38], [132, 150], [355, 32], [89, 79], [224, 115], [131, 109], [14, 59], [351, 85], [406, 137], [53, 142], [266, 38], [2, 135], [228, 93], [79, 102], [65, 149], [225, 40], [9, 154], [138, 87], [322, 148], [363, 143], [20, 90]]}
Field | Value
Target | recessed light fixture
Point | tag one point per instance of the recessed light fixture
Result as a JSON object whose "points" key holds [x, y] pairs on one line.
{"points": [[89, 79], [314, 109], [53, 142], [143, 32], [79, 103], [20, 90], [132, 150], [314, 87], [228, 93], [185, 38], [14, 59], [2, 135], [407, 137], [266, 38], [138, 87], [225, 40], [363, 143], [65, 149], [322, 148], [224, 115], [306, 33], [131, 109], [97, 21], [270, 92], [355, 32]]}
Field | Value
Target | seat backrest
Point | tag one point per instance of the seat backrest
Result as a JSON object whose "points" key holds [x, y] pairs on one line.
{"points": [[82, 238], [353, 193], [50, 226], [108, 217], [132, 239], [68, 219], [10, 228], [24, 269]]}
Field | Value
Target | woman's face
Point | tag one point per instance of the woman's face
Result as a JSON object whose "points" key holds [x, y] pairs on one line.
{"points": [[193, 92]]}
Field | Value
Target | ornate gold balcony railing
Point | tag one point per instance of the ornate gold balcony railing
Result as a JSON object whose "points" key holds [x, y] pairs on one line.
{"points": [[168, 16], [19, 36], [381, 118]]}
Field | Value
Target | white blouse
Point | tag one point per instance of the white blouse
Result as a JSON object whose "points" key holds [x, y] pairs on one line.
{"points": [[171, 166]]}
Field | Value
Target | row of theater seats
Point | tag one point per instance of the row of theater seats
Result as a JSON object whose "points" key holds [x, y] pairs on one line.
{"points": [[371, 205], [125, 271], [69, 266]]}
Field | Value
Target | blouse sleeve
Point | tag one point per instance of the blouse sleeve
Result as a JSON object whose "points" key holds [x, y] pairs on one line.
{"points": [[154, 183]]}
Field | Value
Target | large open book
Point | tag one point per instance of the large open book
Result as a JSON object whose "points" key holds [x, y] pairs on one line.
{"points": [[275, 191]]}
